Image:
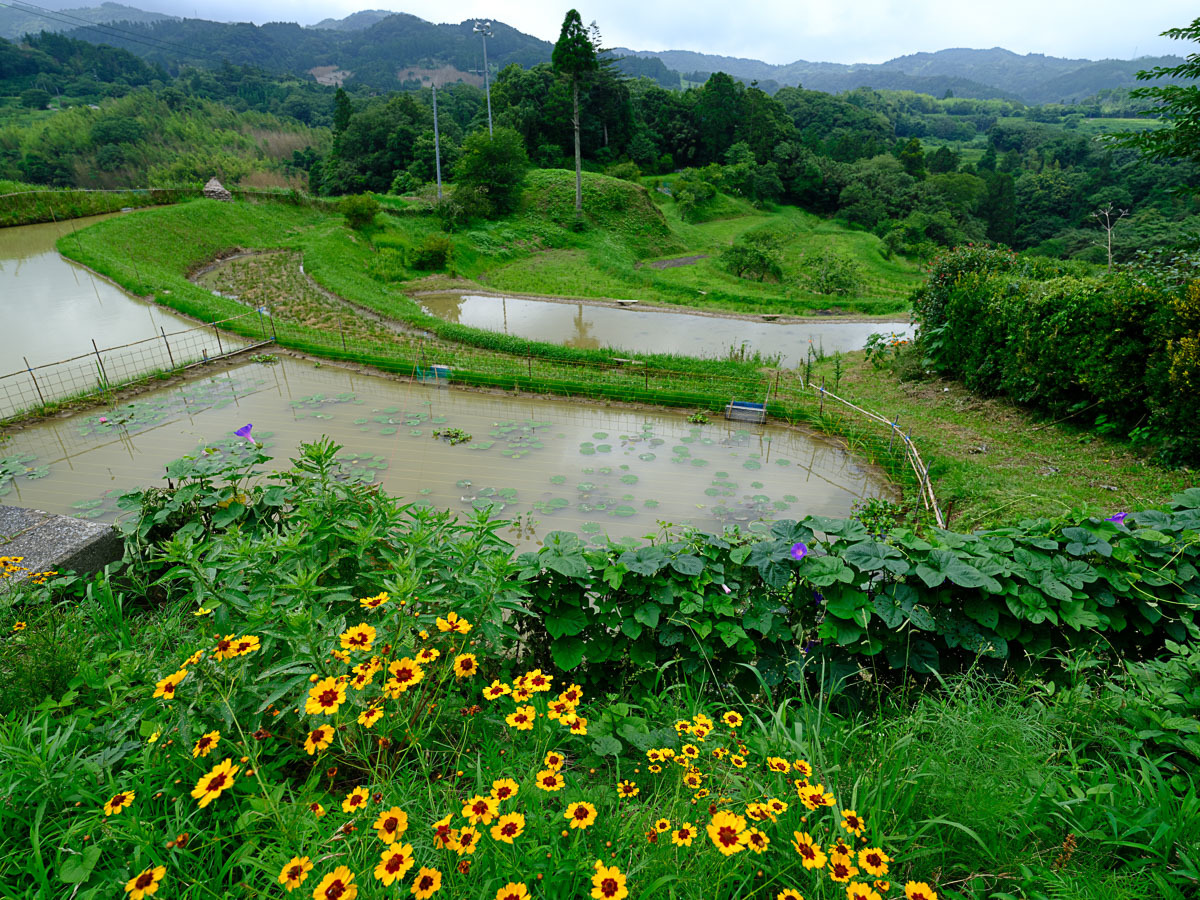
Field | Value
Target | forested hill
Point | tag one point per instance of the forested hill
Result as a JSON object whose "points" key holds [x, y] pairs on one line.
{"points": [[386, 52], [15, 21]]}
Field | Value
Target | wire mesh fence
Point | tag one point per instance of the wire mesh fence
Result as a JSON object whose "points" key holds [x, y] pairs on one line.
{"points": [[107, 368]]}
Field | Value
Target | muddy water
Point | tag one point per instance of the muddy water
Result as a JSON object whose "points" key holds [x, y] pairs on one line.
{"points": [[53, 309], [642, 331], [553, 464]]}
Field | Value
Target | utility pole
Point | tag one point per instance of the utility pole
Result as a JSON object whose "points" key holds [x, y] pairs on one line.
{"points": [[484, 30], [1108, 217], [437, 147]]}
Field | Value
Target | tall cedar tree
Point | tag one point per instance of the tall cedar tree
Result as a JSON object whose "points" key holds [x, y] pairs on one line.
{"points": [[574, 55]]}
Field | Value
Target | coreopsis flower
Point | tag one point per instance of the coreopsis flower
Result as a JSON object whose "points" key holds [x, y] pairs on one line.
{"points": [[508, 827], [756, 840], [856, 890], [428, 655], [394, 863], [504, 789], [759, 812], [558, 709], [575, 724], [205, 744], [466, 841], [370, 716], [811, 854], [919, 890], [481, 809], [117, 802], [852, 822], [803, 768], [700, 732], [683, 727], [728, 832], [374, 602], [465, 665], [452, 623], [521, 718], [405, 673], [537, 681], [691, 751], [627, 789], [513, 891], [294, 872], [166, 687], [341, 656], [153, 739], [391, 825], [496, 690], [145, 882], [732, 719], [882, 886], [356, 800], [193, 659], [814, 797], [580, 815], [654, 768], [427, 883], [521, 694], [316, 809], [318, 739], [549, 780], [654, 755], [683, 835], [358, 638], [245, 644], [777, 806], [789, 894], [219, 779], [224, 648], [337, 884], [608, 883], [874, 861], [572, 694], [554, 760], [778, 764], [20, 626], [841, 868], [326, 696]]}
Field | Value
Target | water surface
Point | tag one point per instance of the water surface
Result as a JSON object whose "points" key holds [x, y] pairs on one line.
{"points": [[553, 464], [641, 331]]}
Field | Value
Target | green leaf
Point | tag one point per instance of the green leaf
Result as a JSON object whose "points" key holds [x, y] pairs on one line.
{"points": [[567, 652], [647, 614], [983, 610], [565, 620], [645, 560], [607, 746], [632, 628], [943, 565], [77, 868], [688, 564], [822, 571], [920, 656], [872, 556]]}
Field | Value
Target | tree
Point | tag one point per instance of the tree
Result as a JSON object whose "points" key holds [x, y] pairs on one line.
{"points": [[492, 169], [1178, 104], [574, 56], [1108, 216], [342, 111]]}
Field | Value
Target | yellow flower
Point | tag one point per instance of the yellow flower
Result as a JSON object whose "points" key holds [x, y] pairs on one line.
{"points": [[554, 761], [496, 690], [205, 744], [757, 841], [732, 719], [811, 854], [453, 623], [317, 809], [405, 673], [504, 789], [465, 665], [856, 890], [683, 727], [166, 687], [374, 602], [194, 658], [339, 883], [626, 789], [20, 626], [549, 780], [852, 822], [572, 694], [738, 761], [370, 716], [728, 832], [355, 800], [360, 637], [326, 696], [575, 724], [814, 797], [683, 835], [691, 751], [803, 768], [427, 883], [145, 882], [789, 894], [211, 786], [481, 809], [318, 739], [391, 825], [580, 815], [919, 890], [202, 611], [874, 861], [841, 868], [118, 802], [292, 875], [608, 883], [536, 681], [521, 718], [467, 841], [428, 655], [513, 891], [394, 863], [247, 643], [778, 764], [508, 827]]}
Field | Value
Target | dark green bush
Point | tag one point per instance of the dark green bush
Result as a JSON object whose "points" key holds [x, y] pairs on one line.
{"points": [[435, 252], [359, 210]]}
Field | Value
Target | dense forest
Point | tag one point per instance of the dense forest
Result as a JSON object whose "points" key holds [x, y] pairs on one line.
{"points": [[919, 171]]}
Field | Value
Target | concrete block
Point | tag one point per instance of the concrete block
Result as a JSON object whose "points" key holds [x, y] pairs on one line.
{"points": [[51, 542]]}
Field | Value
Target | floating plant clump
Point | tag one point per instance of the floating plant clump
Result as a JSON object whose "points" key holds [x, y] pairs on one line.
{"points": [[451, 435], [17, 466], [359, 468]]}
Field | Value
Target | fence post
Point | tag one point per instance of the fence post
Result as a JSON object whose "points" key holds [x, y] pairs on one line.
{"points": [[529, 366], [646, 372], [892, 437], [34, 377], [342, 329], [170, 355], [822, 408], [103, 374], [220, 349]]}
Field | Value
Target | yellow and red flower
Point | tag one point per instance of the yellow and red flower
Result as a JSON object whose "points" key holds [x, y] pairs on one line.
{"points": [[802, 767], [219, 779], [326, 696], [580, 815], [756, 840], [391, 825], [778, 764], [627, 789], [496, 690], [504, 789], [513, 891], [166, 687], [856, 890], [394, 863], [481, 809], [814, 796], [852, 822], [549, 780], [374, 602], [789, 894], [728, 832], [919, 890], [874, 861], [465, 665], [145, 882], [554, 760], [452, 623], [508, 827], [205, 744], [737, 761], [521, 718], [118, 802], [427, 883], [576, 724], [732, 719], [316, 809], [247, 643], [355, 800], [370, 716], [841, 867], [572, 694], [337, 885], [466, 841], [811, 854], [318, 739], [683, 835], [608, 883], [405, 673], [294, 872]]}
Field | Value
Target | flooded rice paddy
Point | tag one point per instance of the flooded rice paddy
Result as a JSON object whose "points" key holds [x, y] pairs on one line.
{"points": [[641, 331], [549, 464]]}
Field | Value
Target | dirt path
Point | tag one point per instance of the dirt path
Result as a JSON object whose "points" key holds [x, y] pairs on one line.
{"points": [[674, 263]]}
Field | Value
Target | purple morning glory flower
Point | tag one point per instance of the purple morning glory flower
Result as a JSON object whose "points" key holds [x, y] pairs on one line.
{"points": [[725, 588], [799, 551], [1119, 518], [244, 432], [818, 598]]}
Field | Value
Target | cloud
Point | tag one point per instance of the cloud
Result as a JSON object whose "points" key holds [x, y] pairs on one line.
{"points": [[782, 31]]}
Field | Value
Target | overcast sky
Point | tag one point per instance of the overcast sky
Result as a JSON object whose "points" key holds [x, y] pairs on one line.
{"points": [[782, 31]]}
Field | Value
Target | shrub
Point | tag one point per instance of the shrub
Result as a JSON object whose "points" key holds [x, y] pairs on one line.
{"points": [[627, 171], [828, 272], [755, 255], [434, 253], [359, 210], [491, 171]]}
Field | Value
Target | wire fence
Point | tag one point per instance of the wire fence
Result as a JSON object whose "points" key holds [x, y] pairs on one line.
{"points": [[105, 369]]}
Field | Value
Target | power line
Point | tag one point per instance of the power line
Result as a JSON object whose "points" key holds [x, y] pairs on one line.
{"points": [[112, 31]]}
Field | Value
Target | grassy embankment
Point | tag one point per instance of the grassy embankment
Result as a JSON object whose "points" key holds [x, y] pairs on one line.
{"points": [[1028, 468]]}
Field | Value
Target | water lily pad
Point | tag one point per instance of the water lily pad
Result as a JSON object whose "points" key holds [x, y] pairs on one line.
{"points": [[558, 479], [463, 483], [791, 498], [629, 479], [361, 420], [624, 511], [585, 487], [387, 431], [721, 474], [587, 450], [415, 432], [698, 462], [647, 457], [590, 527], [600, 435], [757, 485], [780, 505], [712, 492], [439, 420], [606, 470], [783, 462], [650, 504], [425, 491], [604, 448], [752, 464]]}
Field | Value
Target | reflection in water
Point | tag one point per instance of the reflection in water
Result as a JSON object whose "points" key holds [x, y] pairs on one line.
{"points": [[548, 464], [587, 326], [53, 309]]}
